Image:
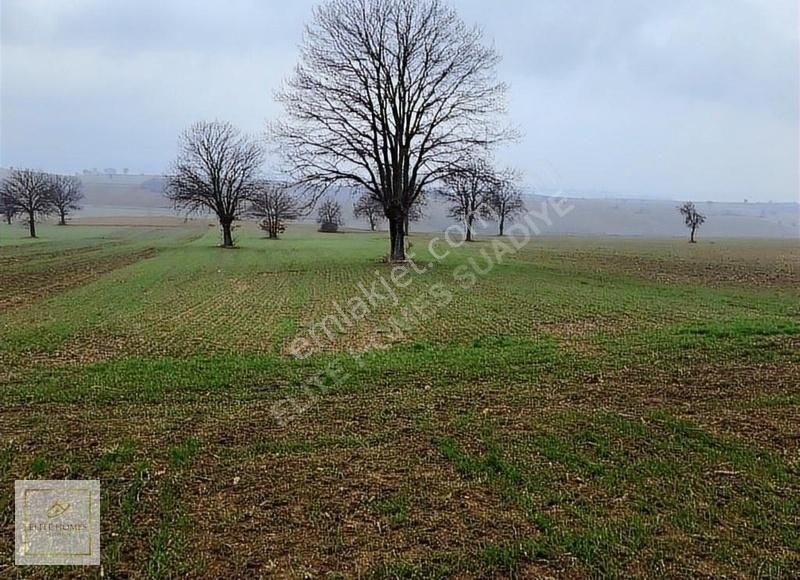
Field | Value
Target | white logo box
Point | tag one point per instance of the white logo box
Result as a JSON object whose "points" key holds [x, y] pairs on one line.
{"points": [[57, 522]]}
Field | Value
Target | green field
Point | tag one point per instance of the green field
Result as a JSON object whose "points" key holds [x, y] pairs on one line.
{"points": [[589, 407]]}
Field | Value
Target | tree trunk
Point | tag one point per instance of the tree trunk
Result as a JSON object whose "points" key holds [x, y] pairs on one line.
{"points": [[63, 216], [372, 223], [502, 224], [397, 237], [469, 228], [405, 227], [32, 225], [227, 236], [8, 218], [691, 239]]}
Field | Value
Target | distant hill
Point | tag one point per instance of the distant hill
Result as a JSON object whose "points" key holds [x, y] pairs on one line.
{"points": [[142, 195], [129, 191]]}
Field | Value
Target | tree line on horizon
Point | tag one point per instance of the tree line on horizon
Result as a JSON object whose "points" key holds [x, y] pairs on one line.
{"points": [[218, 170]]}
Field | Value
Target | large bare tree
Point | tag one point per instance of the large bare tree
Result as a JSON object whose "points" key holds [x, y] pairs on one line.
{"points": [[274, 203], [28, 192], [468, 190], [506, 201], [216, 170], [66, 195], [388, 96]]}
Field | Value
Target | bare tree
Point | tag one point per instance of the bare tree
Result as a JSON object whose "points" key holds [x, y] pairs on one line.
{"points": [[65, 193], [506, 201], [468, 190], [6, 207], [368, 208], [216, 171], [274, 204], [693, 218], [28, 192], [329, 216], [388, 96], [416, 213]]}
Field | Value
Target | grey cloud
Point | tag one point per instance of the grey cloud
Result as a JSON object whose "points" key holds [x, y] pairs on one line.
{"points": [[681, 98]]}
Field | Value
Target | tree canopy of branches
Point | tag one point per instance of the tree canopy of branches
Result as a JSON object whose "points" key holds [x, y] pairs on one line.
{"points": [[389, 96], [468, 191], [29, 193], [506, 201], [216, 171], [66, 195], [329, 216], [274, 204], [693, 218], [368, 208]]}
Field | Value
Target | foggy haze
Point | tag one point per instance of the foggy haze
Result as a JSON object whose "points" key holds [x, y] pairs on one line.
{"points": [[616, 98]]}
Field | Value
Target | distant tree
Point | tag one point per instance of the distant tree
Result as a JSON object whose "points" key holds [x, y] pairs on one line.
{"points": [[389, 95], [28, 192], [416, 212], [506, 201], [693, 218], [274, 204], [329, 216], [110, 172], [215, 170], [65, 193], [125, 170], [468, 190], [6, 207], [370, 209]]}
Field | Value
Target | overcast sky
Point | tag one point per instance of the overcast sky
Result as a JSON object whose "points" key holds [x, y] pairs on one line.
{"points": [[677, 99]]}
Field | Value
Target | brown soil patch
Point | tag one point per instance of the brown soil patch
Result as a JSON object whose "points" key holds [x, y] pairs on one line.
{"points": [[304, 502], [778, 271], [20, 288]]}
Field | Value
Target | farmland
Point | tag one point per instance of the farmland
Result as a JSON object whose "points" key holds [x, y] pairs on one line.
{"points": [[589, 406]]}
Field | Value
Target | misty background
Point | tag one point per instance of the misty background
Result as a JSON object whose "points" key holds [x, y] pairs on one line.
{"points": [[630, 105]]}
